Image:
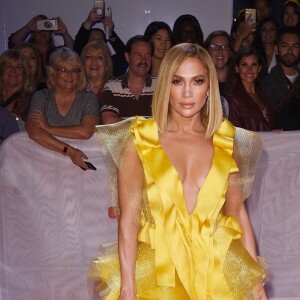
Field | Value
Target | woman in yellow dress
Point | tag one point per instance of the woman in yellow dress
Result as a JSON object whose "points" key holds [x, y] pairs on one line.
{"points": [[182, 176]]}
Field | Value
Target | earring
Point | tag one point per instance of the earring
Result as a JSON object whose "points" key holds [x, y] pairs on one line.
{"points": [[207, 105]]}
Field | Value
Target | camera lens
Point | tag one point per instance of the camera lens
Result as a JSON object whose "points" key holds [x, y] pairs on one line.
{"points": [[48, 24]]}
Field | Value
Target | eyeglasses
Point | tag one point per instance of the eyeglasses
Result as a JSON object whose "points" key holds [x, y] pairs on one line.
{"points": [[218, 48], [66, 71]]}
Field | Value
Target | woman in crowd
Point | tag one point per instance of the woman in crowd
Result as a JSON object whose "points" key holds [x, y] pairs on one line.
{"points": [[266, 37], [14, 83], [88, 33], [33, 60], [249, 108], [219, 47], [290, 14], [42, 39], [182, 216], [97, 65], [65, 109], [288, 117], [187, 29], [160, 35], [242, 32]]}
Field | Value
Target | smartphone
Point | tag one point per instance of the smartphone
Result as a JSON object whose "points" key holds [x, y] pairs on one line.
{"points": [[90, 166], [250, 15], [100, 6]]}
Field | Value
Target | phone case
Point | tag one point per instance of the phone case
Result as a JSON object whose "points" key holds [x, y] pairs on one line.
{"points": [[252, 13], [100, 6]]}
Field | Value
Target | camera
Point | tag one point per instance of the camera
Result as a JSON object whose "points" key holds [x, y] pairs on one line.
{"points": [[48, 24], [100, 6]]}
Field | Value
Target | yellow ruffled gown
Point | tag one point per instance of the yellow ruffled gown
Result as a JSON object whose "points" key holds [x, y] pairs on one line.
{"points": [[180, 255]]}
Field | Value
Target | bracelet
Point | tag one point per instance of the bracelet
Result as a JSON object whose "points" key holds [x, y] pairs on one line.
{"points": [[112, 39], [65, 151]]}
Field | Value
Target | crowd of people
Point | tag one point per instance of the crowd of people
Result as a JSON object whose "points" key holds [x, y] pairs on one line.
{"points": [[257, 65], [249, 76]]}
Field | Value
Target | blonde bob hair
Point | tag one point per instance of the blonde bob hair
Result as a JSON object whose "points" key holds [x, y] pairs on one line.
{"points": [[63, 55], [211, 113], [99, 45]]}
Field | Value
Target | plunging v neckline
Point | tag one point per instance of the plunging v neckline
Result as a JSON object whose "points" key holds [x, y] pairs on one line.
{"points": [[180, 182]]}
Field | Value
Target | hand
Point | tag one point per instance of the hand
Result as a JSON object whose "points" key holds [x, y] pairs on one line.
{"points": [[107, 21], [92, 18], [245, 29], [31, 25], [62, 28], [77, 156], [39, 119]]}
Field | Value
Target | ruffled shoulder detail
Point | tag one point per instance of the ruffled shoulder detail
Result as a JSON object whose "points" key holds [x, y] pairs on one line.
{"points": [[224, 139], [248, 146], [112, 139]]}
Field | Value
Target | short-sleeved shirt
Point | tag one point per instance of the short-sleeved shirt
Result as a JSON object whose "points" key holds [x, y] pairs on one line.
{"points": [[85, 103], [118, 98]]}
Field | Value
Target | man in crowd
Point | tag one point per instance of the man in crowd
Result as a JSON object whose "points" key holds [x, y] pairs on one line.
{"points": [[263, 9], [130, 94], [284, 74]]}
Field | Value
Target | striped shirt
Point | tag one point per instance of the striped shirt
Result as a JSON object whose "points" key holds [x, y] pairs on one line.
{"points": [[118, 98]]}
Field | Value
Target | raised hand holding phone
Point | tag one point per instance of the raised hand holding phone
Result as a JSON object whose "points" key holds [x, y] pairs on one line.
{"points": [[250, 17], [109, 14]]}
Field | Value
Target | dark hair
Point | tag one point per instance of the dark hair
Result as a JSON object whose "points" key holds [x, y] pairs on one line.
{"points": [[253, 2], [98, 30], [136, 39], [234, 77], [246, 51], [258, 43], [240, 17], [155, 26], [187, 19], [294, 5], [286, 30], [265, 20]]}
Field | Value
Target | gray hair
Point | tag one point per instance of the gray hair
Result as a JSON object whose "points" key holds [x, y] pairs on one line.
{"points": [[64, 54]]}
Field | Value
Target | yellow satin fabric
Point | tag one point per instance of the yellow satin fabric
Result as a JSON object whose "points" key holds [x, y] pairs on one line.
{"points": [[180, 240], [180, 255]]}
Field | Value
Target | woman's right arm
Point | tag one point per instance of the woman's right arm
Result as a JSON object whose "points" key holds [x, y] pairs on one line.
{"points": [[37, 133], [130, 185], [20, 35]]}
